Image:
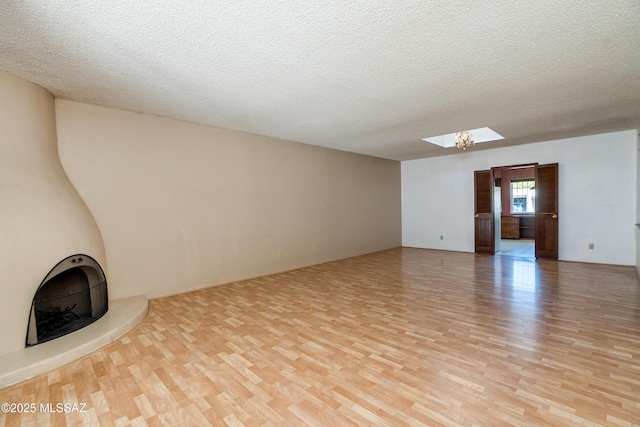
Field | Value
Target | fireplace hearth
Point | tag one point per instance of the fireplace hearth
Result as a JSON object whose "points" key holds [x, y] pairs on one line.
{"points": [[72, 296]]}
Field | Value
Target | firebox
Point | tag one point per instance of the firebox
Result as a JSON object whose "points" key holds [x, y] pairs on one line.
{"points": [[73, 295]]}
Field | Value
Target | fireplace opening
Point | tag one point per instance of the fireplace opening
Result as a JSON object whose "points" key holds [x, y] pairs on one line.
{"points": [[72, 296]]}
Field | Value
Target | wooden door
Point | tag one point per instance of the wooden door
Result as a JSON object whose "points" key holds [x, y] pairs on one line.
{"points": [[483, 205], [547, 211]]}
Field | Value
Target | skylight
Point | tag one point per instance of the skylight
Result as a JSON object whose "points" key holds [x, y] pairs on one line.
{"points": [[479, 135]]}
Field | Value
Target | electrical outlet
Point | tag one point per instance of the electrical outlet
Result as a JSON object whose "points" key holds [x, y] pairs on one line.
{"points": [[592, 245], [280, 254]]}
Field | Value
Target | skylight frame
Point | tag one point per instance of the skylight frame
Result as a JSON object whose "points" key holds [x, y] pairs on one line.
{"points": [[479, 135]]}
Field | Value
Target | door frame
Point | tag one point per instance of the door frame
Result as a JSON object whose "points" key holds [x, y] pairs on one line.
{"points": [[536, 217], [547, 201], [484, 227]]}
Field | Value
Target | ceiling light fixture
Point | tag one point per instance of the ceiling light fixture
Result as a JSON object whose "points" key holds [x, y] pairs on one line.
{"points": [[451, 139], [464, 140]]}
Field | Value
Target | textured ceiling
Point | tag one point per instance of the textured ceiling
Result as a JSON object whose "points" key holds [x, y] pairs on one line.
{"points": [[371, 77]]}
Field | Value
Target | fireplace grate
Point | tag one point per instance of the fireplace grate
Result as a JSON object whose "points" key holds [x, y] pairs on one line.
{"points": [[53, 319]]}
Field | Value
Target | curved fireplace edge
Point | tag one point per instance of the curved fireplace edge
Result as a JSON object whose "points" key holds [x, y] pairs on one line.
{"points": [[23, 364], [47, 319]]}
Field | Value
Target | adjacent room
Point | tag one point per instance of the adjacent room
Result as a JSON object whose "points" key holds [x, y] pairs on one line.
{"points": [[420, 214], [515, 208]]}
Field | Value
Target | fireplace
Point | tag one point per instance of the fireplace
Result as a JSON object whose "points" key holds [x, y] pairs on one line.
{"points": [[73, 295]]}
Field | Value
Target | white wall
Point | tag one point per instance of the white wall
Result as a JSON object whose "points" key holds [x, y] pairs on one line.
{"points": [[638, 205], [638, 251], [597, 192], [183, 206]]}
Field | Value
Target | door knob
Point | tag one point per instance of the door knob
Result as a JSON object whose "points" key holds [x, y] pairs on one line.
{"points": [[476, 216], [554, 216]]}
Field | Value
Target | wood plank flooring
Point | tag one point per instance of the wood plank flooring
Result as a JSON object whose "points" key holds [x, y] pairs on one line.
{"points": [[400, 337]]}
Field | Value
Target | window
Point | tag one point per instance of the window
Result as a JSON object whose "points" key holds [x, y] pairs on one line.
{"points": [[523, 196]]}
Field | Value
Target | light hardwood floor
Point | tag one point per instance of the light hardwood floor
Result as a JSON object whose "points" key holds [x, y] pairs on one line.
{"points": [[400, 337], [522, 248]]}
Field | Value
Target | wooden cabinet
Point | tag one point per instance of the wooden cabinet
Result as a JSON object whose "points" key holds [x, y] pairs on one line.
{"points": [[528, 227], [510, 227], [516, 227]]}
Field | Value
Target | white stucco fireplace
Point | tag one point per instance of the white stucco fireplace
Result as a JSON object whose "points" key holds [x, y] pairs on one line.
{"points": [[43, 220]]}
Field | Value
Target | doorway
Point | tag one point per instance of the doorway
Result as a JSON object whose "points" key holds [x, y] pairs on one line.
{"points": [[516, 210]]}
